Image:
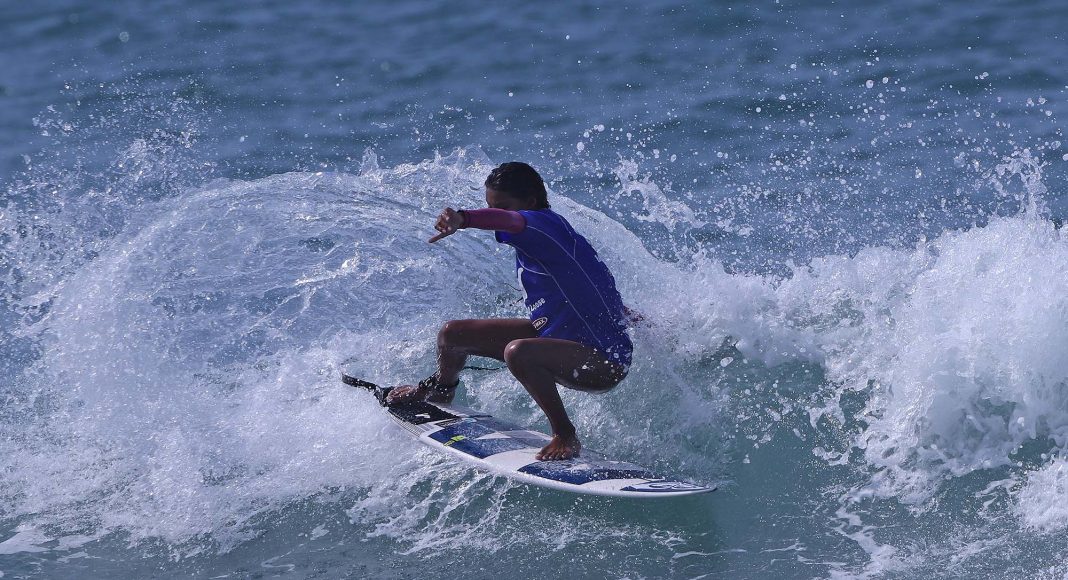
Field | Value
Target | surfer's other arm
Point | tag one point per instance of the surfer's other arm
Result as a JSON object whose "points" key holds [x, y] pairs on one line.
{"points": [[501, 220]]}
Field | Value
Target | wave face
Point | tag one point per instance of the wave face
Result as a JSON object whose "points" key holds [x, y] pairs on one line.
{"points": [[846, 245], [181, 391]]}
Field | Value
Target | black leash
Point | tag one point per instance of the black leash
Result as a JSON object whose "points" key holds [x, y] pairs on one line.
{"points": [[474, 368]]}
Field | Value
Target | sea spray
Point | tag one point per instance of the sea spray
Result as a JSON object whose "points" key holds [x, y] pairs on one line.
{"points": [[185, 388]]}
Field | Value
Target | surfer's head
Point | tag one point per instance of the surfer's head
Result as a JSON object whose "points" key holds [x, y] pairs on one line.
{"points": [[516, 185]]}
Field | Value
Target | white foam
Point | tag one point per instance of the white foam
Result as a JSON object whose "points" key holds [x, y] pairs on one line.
{"points": [[960, 341], [188, 382], [191, 369], [26, 539], [1042, 503], [968, 357]]}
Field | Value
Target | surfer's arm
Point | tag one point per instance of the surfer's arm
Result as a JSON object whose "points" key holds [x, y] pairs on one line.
{"points": [[501, 220]]}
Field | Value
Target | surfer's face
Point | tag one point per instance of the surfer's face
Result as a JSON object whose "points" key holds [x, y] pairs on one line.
{"points": [[498, 200]]}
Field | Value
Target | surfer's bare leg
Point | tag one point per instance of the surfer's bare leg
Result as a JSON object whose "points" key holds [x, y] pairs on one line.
{"points": [[459, 339], [541, 363]]}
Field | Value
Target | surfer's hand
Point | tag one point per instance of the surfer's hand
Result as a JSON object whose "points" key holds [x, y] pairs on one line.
{"points": [[448, 222]]}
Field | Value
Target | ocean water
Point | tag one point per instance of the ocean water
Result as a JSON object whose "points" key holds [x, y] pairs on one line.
{"points": [[842, 222]]}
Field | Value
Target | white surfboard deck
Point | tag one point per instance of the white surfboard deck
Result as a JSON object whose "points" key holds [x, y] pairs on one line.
{"points": [[506, 449]]}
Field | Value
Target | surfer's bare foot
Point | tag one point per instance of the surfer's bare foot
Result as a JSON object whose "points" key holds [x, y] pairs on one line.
{"points": [[560, 448], [406, 394], [410, 393]]}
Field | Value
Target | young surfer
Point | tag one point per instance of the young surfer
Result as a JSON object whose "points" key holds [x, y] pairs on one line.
{"points": [[576, 333]]}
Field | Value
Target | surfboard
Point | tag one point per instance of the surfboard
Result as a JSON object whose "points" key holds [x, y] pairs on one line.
{"points": [[506, 449]]}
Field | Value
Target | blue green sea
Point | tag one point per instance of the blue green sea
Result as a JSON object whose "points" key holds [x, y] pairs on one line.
{"points": [[841, 221]]}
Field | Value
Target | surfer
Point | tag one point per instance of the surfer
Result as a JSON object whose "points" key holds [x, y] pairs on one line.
{"points": [[576, 333]]}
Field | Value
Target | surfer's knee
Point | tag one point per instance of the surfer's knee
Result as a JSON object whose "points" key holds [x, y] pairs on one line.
{"points": [[450, 332], [517, 353]]}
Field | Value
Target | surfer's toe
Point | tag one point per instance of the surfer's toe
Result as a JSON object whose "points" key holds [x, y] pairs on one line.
{"points": [[559, 449]]}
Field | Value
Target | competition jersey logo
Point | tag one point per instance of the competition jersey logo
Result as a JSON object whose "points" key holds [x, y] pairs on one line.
{"points": [[540, 323]]}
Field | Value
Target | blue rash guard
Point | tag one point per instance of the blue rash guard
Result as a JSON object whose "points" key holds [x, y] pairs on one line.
{"points": [[567, 288]]}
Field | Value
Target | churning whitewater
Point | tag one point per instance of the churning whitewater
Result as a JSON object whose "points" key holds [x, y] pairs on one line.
{"points": [[904, 386], [842, 226]]}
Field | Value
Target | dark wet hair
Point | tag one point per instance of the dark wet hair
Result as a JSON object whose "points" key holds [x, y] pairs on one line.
{"points": [[517, 179]]}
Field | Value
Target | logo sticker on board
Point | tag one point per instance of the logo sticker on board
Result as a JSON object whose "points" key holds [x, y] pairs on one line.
{"points": [[540, 323], [663, 485]]}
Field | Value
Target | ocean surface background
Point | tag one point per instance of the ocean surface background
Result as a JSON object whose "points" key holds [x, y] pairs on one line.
{"points": [[842, 222]]}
